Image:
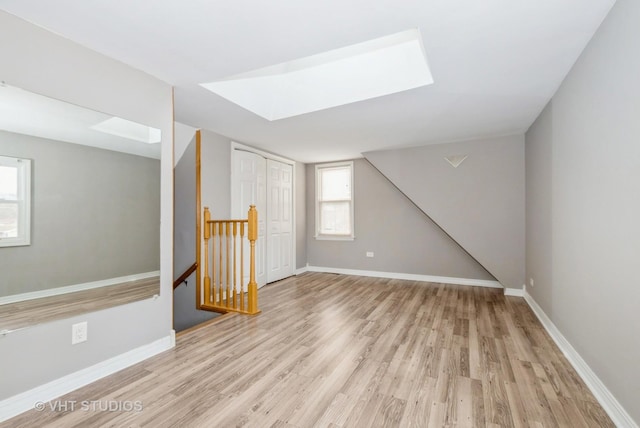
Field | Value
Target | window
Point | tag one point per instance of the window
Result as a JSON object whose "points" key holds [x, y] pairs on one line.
{"points": [[15, 201], [334, 201]]}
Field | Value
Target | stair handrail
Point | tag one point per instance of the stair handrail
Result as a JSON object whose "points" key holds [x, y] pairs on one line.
{"points": [[187, 273]]}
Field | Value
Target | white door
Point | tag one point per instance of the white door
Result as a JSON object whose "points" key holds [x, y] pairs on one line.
{"points": [[248, 187], [279, 220]]}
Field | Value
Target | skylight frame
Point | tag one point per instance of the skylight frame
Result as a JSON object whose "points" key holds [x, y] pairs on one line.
{"points": [[130, 130], [359, 72]]}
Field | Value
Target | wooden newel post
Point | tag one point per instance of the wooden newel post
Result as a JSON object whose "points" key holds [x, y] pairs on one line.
{"points": [[253, 235], [207, 235]]}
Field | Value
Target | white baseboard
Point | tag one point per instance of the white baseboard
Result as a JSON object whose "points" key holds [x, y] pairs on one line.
{"points": [[608, 402], [408, 276], [301, 270], [517, 292], [76, 287], [24, 401]]}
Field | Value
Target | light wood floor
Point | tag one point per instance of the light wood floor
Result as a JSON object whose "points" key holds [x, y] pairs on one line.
{"points": [[336, 350], [18, 315]]}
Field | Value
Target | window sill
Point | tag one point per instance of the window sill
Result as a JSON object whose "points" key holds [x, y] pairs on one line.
{"points": [[14, 242], [334, 238]]}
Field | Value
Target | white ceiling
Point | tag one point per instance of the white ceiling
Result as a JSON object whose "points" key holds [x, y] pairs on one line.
{"points": [[495, 63]]}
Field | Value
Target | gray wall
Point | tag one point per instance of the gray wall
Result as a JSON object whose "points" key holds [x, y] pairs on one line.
{"points": [[480, 204], [39, 61], [184, 213], [583, 171], [84, 201], [402, 238], [301, 215], [539, 258], [216, 174], [185, 314]]}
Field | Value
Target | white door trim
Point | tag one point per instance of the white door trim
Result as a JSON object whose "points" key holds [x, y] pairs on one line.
{"points": [[238, 146]]}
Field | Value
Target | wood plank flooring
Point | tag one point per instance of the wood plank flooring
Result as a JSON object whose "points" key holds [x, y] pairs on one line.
{"points": [[18, 315], [345, 351]]}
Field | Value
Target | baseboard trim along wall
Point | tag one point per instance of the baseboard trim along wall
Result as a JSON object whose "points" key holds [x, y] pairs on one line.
{"points": [[25, 401], [608, 402], [407, 276], [76, 287], [516, 292], [301, 270]]}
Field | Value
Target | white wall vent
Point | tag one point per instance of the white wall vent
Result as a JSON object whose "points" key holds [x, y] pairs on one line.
{"points": [[455, 160]]}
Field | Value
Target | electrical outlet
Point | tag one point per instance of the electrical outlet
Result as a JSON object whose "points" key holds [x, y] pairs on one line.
{"points": [[369, 253], [531, 282], [79, 333]]}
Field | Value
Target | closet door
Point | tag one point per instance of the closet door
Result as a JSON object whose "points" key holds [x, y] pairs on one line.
{"points": [[279, 220], [249, 188]]}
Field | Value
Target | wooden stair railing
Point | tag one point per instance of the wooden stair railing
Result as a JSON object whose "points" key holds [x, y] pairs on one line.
{"points": [[187, 273], [224, 264]]}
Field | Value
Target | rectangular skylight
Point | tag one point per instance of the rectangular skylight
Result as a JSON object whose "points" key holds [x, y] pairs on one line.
{"points": [[130, 130], [354, 73]]}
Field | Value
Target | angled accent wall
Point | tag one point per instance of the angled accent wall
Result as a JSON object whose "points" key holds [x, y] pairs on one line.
{"points": [[480, 204], [402, 239]]}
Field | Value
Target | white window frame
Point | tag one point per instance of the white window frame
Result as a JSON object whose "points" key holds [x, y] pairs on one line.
{"points": [[23, 201], [332, 237]]}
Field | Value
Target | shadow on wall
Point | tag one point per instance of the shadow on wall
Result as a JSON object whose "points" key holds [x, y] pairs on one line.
{"points": [[185, 314]]}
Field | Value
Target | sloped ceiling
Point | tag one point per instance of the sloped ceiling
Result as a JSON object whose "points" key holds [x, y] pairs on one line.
{"points": [[495, 63]]}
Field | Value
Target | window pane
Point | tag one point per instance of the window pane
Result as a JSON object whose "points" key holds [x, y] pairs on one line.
{"points": [[335, 184], [8, 183], [15, 200], [8, 220], [335, 218]]}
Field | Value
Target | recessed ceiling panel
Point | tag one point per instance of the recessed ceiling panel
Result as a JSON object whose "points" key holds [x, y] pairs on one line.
{"points": [[355, 73], [128, 129], [28, 113]]}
